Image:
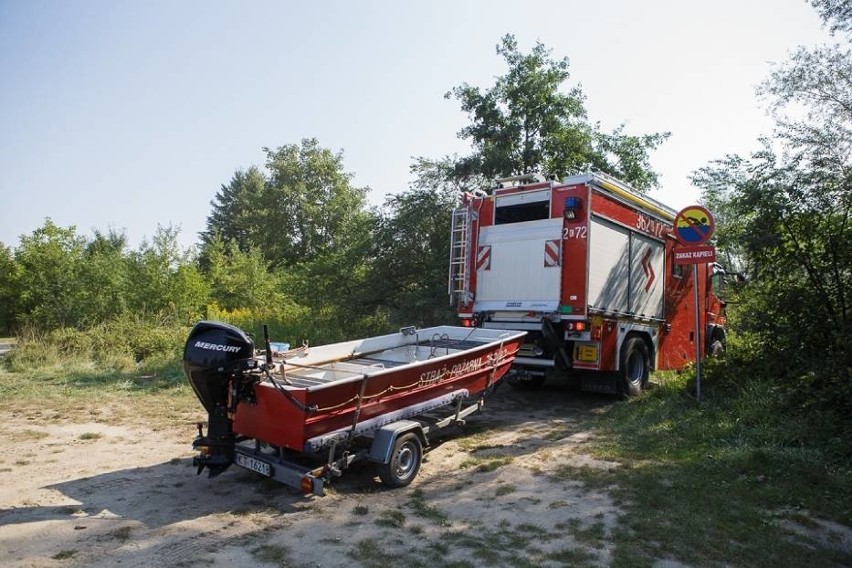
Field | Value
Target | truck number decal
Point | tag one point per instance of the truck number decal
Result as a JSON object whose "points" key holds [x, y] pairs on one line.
{"points": [[574, 233], [650, 226]]}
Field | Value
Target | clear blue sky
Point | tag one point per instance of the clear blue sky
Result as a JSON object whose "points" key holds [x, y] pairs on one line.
{"points": [[126, 115]]}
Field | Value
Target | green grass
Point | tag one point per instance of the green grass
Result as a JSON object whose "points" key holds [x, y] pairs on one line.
{"points": [[272, 554], [423, 510], [391, 518], [90, 436], [484, 464], [64, 554], [57, 389], [713, 482]]}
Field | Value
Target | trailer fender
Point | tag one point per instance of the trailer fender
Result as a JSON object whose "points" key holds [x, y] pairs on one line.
{"points": [[383, 441]]}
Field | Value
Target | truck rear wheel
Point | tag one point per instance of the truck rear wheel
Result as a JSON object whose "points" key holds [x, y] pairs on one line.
{"points": [[404, 461], [635, 368]]}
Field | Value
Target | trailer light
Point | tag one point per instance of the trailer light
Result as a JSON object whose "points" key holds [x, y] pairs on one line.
{"points": [[573, 204], [467, 322], [306, 485], [576, 326]]}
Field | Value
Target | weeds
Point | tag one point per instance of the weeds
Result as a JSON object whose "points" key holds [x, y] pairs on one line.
{"points": [[272, 554], [426, 511], [700, 480], [391, 518], [486, 463]]}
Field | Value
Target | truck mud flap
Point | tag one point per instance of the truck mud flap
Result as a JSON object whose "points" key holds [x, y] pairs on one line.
{"points": [[556, 343], [604, 383]]}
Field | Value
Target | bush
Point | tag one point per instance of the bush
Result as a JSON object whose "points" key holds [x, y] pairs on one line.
{"points": [[120, 344]]}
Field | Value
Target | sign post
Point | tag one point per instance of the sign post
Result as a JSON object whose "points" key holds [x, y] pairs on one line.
{"points": [[693, 227]]}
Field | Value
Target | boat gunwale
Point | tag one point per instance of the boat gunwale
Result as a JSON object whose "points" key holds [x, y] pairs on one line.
{"points": [[402, 368]]}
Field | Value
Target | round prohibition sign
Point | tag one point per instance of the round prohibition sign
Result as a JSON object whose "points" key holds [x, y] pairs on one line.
{"points": [[694, 225]]}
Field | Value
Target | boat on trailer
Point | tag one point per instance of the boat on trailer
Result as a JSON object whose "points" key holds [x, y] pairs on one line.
{"points": [[302, 416]]}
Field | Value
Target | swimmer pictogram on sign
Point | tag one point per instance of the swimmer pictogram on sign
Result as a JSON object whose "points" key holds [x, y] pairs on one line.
{"points": [[694, 225]]}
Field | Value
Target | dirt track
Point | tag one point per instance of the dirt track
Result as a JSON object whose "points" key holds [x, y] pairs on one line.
{"points": [[99, 494]]}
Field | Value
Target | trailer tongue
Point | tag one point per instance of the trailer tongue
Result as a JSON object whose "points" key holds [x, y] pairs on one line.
{"points": [[376, 399]]}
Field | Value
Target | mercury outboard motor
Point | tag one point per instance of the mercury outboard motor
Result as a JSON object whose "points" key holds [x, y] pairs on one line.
{"points": [[219, 362]]}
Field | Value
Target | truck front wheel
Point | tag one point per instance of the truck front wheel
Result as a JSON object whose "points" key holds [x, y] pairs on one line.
{"points": [[404, 461], [635, 368]]}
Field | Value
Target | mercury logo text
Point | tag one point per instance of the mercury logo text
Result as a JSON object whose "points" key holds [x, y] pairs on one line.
{"points": [[216, 347]]}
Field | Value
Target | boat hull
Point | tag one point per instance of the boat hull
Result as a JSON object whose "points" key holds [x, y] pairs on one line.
{"points": [[298, 417]]}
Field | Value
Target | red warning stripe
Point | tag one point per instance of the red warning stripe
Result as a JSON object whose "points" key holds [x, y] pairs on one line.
{"points": [[551, 252], [483, 258]]}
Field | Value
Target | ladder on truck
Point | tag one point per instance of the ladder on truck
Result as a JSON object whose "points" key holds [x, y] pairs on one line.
{"points": [[460, 238]]}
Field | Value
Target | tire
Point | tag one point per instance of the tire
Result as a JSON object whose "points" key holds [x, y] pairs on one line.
{"points": [[635, 367], [404, 461]]}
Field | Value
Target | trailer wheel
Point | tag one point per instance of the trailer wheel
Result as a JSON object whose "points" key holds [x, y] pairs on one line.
{"points": [[404, 461], [635, 367]]}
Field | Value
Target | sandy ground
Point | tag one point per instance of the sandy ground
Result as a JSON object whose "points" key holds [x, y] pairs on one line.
{"points": [[104, 494], [101, 494]]}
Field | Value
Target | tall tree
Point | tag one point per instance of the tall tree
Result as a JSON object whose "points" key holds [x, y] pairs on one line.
{"points": [[836, 14], [48, 284], [166, 279], [240, 279], [234, 215], [528, 122], [8, 292], [310, 204], [303, 206], [790, 204], [104, 277], [412, 246]]}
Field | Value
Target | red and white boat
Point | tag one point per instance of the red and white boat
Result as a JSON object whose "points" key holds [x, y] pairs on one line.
{"points": [[357, 399]]}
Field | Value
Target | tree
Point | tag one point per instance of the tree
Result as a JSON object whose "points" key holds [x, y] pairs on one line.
{"points": [[240, 279], [234, 216], [525, 123], [104, 277], [310, 205], [302, 207], [412, 246], [837, 14], [48, 284], [8, 294], [166, 279], [789, 205]]}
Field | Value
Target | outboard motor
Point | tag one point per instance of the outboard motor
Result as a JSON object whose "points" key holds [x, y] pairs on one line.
{"points": [[219, 362]]}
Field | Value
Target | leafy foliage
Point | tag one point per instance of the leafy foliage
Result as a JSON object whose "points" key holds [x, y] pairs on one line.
{"points": [[412, 245], [526, 124], [787, 224], [302, 207], [837, 14]]}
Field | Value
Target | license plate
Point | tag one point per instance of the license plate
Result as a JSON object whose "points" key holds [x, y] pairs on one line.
{"points": [[588, 353], [254, 464]]}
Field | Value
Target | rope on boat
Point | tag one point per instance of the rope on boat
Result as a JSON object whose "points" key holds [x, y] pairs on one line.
{"points": [[493, 361], [296, 402], [361, 398]]}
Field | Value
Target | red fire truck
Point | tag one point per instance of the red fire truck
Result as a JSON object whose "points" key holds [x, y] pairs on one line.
{"points": [[585, 266]]}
